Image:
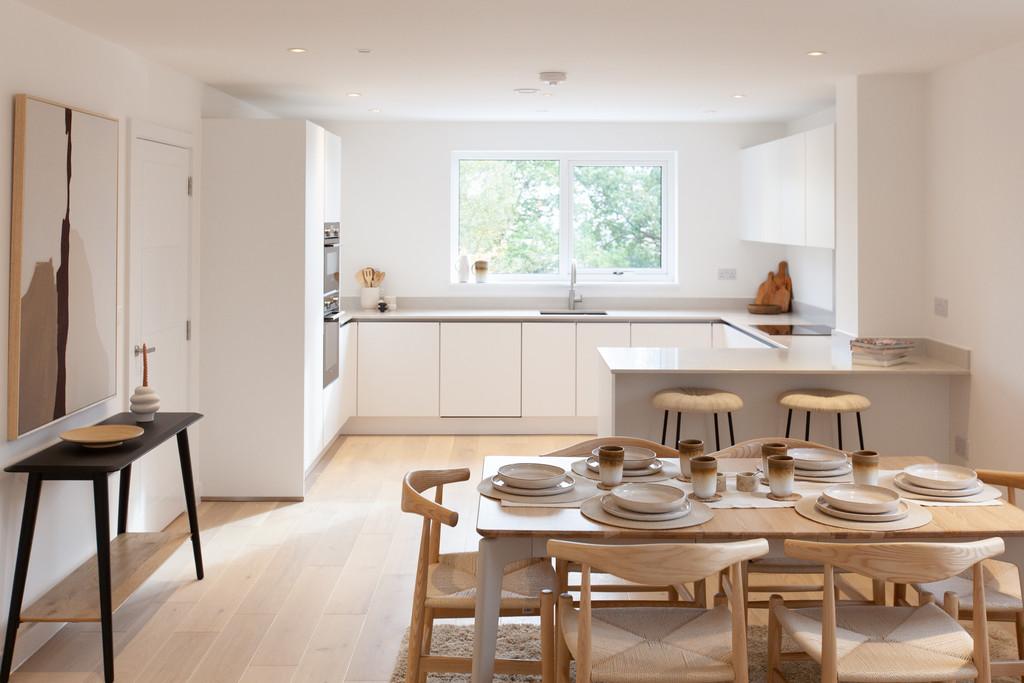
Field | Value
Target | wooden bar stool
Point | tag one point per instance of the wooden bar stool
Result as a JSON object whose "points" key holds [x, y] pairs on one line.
{"points": [[824, 401], [693, 400]]}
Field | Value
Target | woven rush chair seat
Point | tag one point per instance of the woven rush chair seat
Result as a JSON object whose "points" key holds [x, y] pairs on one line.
{"points": [[697, 401], [451, 582], [659, 644], [824, 401], [1002, 587], [876, 644]]}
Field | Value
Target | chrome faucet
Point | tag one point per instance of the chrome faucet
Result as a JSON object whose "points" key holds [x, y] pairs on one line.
{"points": [[574, 298]]}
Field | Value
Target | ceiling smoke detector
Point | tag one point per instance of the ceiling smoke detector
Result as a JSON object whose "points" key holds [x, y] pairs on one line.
{"points": [[552, 77]]}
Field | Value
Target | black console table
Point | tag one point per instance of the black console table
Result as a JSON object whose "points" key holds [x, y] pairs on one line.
{"points": [[122, 564]]}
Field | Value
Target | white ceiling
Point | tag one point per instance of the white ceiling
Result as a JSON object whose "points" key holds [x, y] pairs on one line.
{"points": [[627, 60]]}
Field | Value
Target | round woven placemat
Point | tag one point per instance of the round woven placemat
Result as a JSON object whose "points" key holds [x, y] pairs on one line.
{"points": [[918, 516], [584, 489], [669, 470], [592, 509]]}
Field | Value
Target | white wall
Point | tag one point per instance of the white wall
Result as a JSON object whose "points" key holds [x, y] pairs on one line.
{"points": [[396, 202], [42, 56], [975, 239], [846, 292]]}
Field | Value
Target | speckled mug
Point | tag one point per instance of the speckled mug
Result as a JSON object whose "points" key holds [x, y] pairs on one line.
{"points": [[865, 467], [704, 473], [610, 460], [746, 482], [781, 474], [688, 448], [771, 448]]}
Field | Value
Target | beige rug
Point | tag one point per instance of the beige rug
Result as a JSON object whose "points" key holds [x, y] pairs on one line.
{"points": [[522, 641]]}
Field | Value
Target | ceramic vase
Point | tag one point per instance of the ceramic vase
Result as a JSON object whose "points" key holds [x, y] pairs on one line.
{"points": [[144, 404], [463, 269]]}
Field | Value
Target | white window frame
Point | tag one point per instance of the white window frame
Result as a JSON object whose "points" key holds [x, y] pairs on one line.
{"points": [[568, 161]]}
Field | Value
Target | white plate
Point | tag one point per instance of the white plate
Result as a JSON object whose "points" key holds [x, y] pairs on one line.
{"points": [[648, 498], [904, 483], [531, 475], [861, 498], [824, 474], [608, 503], [902, 510], [817, 458], [653, 468], [939, 476], [635, 457], [567, 484]]}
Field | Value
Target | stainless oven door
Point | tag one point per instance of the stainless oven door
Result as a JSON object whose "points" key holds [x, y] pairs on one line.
{"points": [[331, 359], [332, 268]]}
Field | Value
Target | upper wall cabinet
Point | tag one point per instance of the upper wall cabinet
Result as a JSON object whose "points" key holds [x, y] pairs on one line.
{"points": [[332, 178], [788, 190]]}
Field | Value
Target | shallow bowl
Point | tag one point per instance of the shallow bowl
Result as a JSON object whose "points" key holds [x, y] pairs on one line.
{"points": [[939, 476], [634, 457], [861, 498], [649, 498], [529, 475]]}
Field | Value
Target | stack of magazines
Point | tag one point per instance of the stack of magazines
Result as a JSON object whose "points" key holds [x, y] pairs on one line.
{"points": [[880, 351]]}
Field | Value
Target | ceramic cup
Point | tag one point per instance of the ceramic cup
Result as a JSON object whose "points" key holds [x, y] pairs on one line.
{"points": [[704, 472], [720, 482], [688, 448], [746, 482], [771, 448], [392, 302], [480, 269], [609, 464], [865, 467], [781, 473]]}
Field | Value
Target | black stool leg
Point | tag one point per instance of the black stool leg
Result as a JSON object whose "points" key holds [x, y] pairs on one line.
{"points": [[679, 426], [664, 428], [807, 427], [860, 431], [28, 528], [732, 434], [718, 445], [839, 426], [789, 421], [102, 512]]}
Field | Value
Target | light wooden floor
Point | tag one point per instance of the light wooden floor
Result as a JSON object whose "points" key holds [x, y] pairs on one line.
{"points": [[304, 592], [308, 592]]}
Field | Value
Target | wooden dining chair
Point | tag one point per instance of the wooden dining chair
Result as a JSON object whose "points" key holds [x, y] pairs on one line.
{"points": [[1002, 582], [879, 642], [686, 596], [445, 585], [782, 566], [650, 643]]}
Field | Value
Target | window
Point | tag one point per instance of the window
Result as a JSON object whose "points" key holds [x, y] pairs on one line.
{"points": [[532, 215]]}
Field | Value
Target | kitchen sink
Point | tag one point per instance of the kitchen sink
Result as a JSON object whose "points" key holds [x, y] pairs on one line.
{"points": [[569, 312]]}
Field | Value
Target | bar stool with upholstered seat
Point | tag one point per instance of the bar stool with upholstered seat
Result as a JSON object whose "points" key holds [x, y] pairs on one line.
{"points": [[824, 401], [693, 400]]}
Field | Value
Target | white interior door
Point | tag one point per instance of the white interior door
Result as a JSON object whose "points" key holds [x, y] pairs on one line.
{"points": [[160, 265]]}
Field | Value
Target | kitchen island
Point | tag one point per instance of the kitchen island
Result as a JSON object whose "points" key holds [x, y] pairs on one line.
{"points": [[918, 407]]}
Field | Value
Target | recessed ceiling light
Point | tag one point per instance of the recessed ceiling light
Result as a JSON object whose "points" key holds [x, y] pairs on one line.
{"points": [[738, 96], [816, 53], [296, 50], [526, 91], [363, 50], [375, 111], [355, 94]]}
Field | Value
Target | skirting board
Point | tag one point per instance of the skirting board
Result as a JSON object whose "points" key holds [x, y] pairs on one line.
{"points": [[253, 499], [470, 425]]}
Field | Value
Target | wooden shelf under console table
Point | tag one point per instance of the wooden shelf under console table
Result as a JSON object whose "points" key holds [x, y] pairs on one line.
{"points": [[120, 565]]}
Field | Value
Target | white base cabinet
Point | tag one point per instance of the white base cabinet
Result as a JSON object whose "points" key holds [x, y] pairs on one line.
{"points": [[590, 337], [481, 369], [728, 337], [671, 335], [549, 369], [398, 369]]}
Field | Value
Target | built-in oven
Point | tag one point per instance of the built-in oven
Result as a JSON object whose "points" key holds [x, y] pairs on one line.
{"points": [[332, 258], [332, 293]]}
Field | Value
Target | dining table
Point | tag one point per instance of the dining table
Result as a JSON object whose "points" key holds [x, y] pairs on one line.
{"points": [[510, 533]]}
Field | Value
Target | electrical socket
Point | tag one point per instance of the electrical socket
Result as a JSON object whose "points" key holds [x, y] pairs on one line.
{"points": [[941, 307], [960, 447], [726, 273]]}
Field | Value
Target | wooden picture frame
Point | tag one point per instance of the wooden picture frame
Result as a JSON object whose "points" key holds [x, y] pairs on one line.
{"points": [[62, 325]]}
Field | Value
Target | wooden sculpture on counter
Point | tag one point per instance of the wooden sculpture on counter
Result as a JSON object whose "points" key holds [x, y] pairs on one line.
{"points": [[775, 295]]}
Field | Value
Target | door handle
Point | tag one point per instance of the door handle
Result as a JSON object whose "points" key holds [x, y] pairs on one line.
{"points": [[149, 349]]}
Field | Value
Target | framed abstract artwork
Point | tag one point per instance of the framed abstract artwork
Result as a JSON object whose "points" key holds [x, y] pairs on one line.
{"points": [[63, 293]]}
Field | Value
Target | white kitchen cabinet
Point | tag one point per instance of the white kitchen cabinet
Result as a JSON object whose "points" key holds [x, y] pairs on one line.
{"points": [[821, 187], [792, 177], [590, 336], [481, 369], [332, 177], [332, 412], [728, 337], [549, 369], [671, 335], [348, 346], [760, 192], [398, 369]]}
